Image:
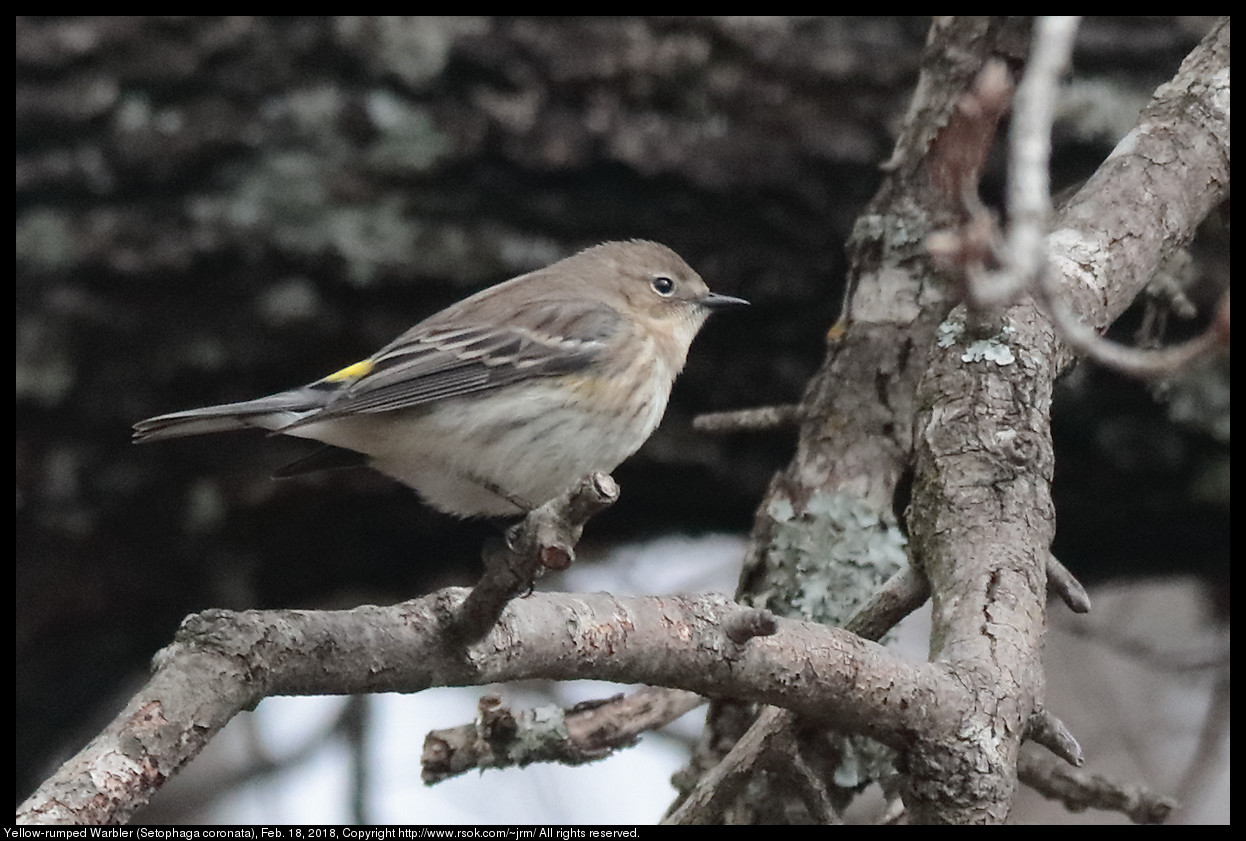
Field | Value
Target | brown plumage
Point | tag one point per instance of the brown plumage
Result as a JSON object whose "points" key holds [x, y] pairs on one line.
{"points": [[502, 400]]}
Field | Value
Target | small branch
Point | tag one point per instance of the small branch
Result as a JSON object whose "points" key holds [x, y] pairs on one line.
{"points": [[1143, 363], [1065, 585], [749, 420], [1080, 790], [899, 596], [574, 736], [788, 757], [728, 777], [616, 720], [1045, 729], [584, 733], [545, 539], [1029, 155], [1142, 205]]}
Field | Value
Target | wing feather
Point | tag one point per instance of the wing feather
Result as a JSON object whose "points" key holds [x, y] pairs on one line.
{"points": [[436, 360]]}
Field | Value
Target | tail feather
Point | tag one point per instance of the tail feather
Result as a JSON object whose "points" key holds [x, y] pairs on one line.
{"points": [[271, 413]]}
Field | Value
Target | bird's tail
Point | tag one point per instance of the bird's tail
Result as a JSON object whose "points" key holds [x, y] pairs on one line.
{"points": [[272, 413]]}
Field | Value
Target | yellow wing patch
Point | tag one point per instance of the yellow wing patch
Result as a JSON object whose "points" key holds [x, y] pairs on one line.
{"points": [[350, 372]]}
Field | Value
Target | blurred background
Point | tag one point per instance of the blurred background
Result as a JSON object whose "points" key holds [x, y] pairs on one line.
{"points": [[215, 208]]}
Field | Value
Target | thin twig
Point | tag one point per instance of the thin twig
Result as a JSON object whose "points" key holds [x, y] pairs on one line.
{"points": [[1029, 156], [899, 596], [1143, 363], [1065, 585], [749, 420]]}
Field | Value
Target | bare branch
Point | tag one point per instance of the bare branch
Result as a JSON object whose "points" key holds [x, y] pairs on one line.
{"points": [[222, 662], [749, 420], [1080, 790], [544, 539], [1137, 362], [583, 733], [899, 596], [809, 784], [1063, 583], [1045, 729], [730, 775], [1029, 154], [1143, 204]]}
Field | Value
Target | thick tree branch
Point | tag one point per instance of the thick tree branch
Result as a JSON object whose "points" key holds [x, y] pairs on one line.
{"points": [[1147, 199], [223, 662], [981, 519], [826, 536], [903, 593]]}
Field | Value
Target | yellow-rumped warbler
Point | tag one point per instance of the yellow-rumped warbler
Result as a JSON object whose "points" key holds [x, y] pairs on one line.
{"points": [[503, 400]]}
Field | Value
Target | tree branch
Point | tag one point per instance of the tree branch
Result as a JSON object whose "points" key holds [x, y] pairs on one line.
{"points": [[826, 535], [1079, 790], [903, 593], [981, 519], [1145, 202], [1029, 157], [749, 420], [544, 539], [222, 662], [584, 733], [1065, 585]]}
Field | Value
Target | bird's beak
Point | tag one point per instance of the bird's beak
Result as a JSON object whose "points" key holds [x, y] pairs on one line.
{"points": [[714, 301]]}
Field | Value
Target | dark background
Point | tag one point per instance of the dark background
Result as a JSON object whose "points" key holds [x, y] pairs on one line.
{"points": [[211, 209]]}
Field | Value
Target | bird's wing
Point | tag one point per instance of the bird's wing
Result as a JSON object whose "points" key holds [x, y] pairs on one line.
{"points": [[442, 358]]}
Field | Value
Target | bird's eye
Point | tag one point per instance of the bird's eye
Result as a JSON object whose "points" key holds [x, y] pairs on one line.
{"points": [[664, 286]]}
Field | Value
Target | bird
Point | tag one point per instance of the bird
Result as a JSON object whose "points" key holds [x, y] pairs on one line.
{"points": [[506, 398]]}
